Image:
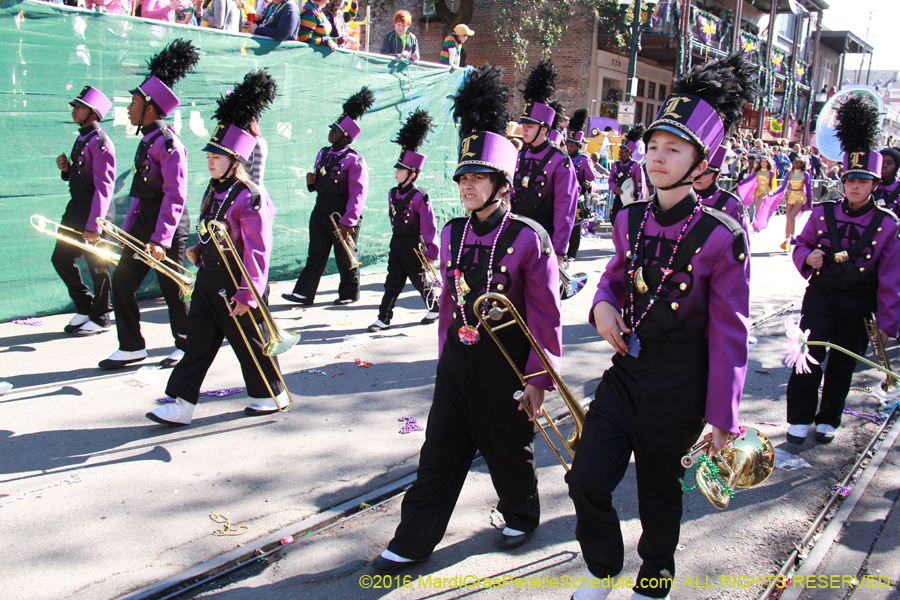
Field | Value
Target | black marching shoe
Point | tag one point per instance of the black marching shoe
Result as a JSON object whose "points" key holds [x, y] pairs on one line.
{"points": [[508, 542], [297, 298], [345, 301]]}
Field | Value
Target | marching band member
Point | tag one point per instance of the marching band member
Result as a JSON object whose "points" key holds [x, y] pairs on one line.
{"points": [[584, 173], [888, 190], [679, 274], [545, 188], [555, 136], [491, 249], [710, 194], [797, 192], [412, 224], [91, 173], [249, 214], [849, 252], [341, 183], [624, 169], [157, 215]]}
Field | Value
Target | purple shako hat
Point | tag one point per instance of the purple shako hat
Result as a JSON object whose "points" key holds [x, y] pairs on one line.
{"points": [[157, 93], [354, 108], [576, 126], [556, 138], [480, 110], [237, 110], [94, 99], [536, 113], [539, 89], [170, 65], [717, 159], [690, 118], [410, 137], [857, 127]]}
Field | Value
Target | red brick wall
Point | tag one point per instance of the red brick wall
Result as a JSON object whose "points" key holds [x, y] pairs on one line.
{"points": [[573, 57]]}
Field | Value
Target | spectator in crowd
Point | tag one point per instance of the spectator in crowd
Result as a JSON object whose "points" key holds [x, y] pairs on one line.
{"points": [[219, 14], [450, 49], [606, 148], [400, 42], [795, 153], [161, 10], [315, 29], [113, 7], [598, 168], [781, 160], [517, 142], [834, 173], [280, 21], [815, 163], [338, 12]]}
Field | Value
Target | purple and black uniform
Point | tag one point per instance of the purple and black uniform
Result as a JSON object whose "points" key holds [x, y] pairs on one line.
{"points": [[584, 174], [860, 279], [545, 189], [342, 185], [473, 409], [249, 215], [618, 174], [412, 223], [91, 177], [727, 202], [888, 195], [158, 213], [686, 368]]}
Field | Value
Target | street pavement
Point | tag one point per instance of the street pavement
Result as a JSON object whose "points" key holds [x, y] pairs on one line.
{"points": [[97, 501]]}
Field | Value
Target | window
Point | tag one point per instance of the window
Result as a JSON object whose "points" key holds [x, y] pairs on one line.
{"points": [[651, 114], [651, 90], [640, 90], [638, 111], [662, 93]]}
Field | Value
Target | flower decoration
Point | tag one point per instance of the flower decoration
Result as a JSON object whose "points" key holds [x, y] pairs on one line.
{"points": [[797, 347]]}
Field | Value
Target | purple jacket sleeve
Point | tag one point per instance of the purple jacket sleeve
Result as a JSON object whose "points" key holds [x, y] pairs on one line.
{"points": [[542, 307], [256, 235], [358, 184], [131, 215], [104, 173], [565, 191], [173, 167], [729, 314], [805, 244], [888, 314], [427, 227], [611, 287]]}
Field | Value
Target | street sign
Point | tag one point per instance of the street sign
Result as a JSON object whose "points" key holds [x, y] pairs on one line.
{"points": [[626, 113]]}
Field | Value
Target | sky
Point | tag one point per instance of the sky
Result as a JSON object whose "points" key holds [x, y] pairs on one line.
{"points": [[853, 15]]}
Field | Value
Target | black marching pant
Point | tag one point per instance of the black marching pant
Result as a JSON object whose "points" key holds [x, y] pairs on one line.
{"points": [[321, 240], [574, 241], [208, 324], [96, 306], [614, 209], [652, 406], [126, 280], [831, 315], [403, 264], [473, 409]]}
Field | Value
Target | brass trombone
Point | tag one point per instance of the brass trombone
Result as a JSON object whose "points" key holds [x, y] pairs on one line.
{"points": [[744, 462], [279, 341], [348, 244], [180, 274], [40, 224], [890, 384], [501, 305]]}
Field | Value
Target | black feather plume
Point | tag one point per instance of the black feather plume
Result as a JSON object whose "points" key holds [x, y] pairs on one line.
{"points": [[579, 120], [635, 133], [541, 83], [414, 131], [481, 103], [560, 116], [174, 62], [857, 124], [357, 104], [247, 101], [726, 84]]}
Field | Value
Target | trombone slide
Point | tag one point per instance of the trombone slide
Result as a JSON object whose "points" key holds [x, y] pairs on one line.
{"points": [[349, 246]]}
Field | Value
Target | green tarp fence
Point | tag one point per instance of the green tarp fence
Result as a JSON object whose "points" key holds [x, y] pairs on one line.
{"points": [[49, 52]]}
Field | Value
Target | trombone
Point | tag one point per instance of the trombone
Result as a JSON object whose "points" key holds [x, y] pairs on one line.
{"points": [[578, 413], [168, 267], [890, 384], [570, 284], [349, 245], [279, 341], [48, 227]]}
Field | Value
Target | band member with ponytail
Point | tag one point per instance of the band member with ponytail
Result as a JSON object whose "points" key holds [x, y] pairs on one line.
{"points": [[248, 214], [849, 252], [545, 188], [341, 183], [412, 224], [473, 407], [91, 173], [673, 303], [626, 169], [584, 173], [157, 215]]}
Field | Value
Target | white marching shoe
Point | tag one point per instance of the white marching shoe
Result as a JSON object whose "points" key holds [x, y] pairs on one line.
{"points": [[76, 322], [172, 360], [265, 406], [5, 386], [796, 434], [431, 317], [90, 328], [122, 358], [179, 412]]}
